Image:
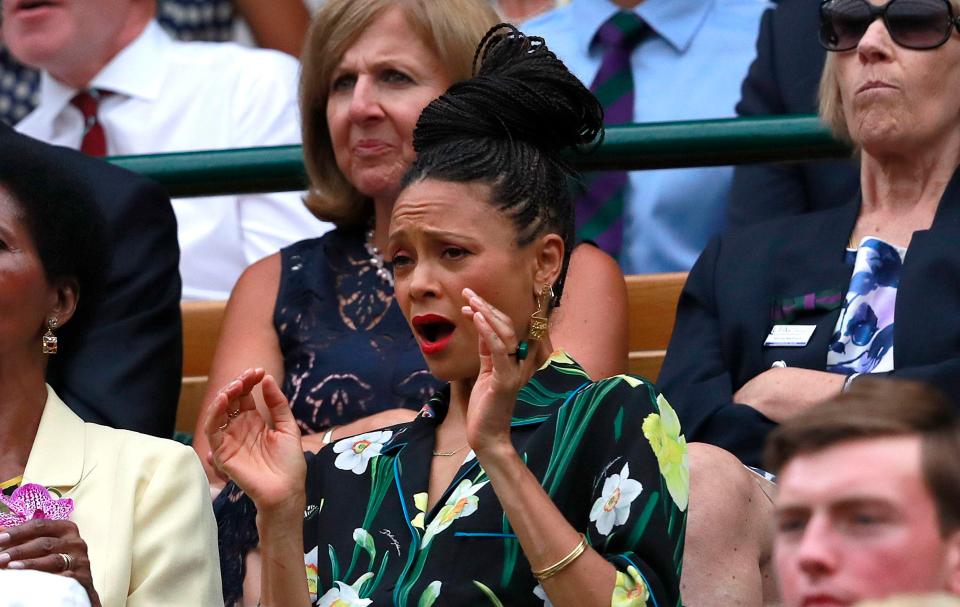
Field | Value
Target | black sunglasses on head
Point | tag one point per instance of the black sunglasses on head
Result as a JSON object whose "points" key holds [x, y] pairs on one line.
{"points": [[914, 24]]}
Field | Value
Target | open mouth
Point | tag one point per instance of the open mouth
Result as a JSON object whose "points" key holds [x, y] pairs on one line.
{"points": [[434, 332]]}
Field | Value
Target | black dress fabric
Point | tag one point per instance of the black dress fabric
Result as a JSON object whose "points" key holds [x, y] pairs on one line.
{"points": [[610, 454], [347, 353]]}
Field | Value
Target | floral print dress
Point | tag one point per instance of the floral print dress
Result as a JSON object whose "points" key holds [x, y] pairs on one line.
{"points": [[610, 454], [862, 341], [347, 353]]}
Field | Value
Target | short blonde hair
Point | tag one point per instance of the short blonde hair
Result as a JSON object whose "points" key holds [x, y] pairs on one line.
{"points": [[830, 99], [450, 28]]}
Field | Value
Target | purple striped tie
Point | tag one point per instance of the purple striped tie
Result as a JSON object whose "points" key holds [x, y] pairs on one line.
{"points": [[600, 209]]}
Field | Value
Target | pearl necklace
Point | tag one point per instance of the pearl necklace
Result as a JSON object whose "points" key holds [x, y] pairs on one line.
{"points": [[377, 259]]}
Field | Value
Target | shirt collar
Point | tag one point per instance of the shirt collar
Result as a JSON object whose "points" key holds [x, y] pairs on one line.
{"points": [[136, 71], [139, 69], [676, 21]]}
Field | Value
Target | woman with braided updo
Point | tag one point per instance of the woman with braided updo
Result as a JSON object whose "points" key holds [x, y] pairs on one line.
{"points": [[321, 315], [522, 482]]}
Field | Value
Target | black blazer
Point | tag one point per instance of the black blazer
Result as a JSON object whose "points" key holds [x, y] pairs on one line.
{"points": [[742, 279], [122, 366], [783, 79]]}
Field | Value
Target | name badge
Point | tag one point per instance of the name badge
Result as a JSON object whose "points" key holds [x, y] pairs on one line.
{"points": [[789, 336]]}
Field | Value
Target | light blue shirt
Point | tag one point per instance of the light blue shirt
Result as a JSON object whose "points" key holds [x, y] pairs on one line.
{"points": [[689, 68]]}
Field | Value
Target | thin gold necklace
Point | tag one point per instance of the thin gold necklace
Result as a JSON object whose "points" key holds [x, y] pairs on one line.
{"points": [[450, 453]]}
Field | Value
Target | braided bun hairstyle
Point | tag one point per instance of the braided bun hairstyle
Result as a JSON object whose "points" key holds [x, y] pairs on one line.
{"points": [[507, 127]]}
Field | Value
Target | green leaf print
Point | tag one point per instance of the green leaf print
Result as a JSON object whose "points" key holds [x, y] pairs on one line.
{"points": [[618, 426], [490, 595], [334, 563], [363, 539], [430, 594]]}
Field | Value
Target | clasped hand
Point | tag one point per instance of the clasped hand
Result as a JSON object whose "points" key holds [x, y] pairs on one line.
{"points": [[263, 456], [38, 545]]}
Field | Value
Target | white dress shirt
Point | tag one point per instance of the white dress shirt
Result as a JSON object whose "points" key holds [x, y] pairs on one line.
{"points": [[171, 96], [28, 588]]}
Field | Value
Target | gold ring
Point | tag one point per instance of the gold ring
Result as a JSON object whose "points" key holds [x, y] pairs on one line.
{"points": [[225, 424], [67, 561]]}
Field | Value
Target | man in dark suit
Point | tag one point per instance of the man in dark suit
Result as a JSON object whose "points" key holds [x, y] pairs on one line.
{"points": [[121, 366], [783, 79]]}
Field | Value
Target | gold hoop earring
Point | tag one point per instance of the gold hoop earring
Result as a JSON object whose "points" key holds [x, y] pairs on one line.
{"points": [[539, 320], [49, 339]]}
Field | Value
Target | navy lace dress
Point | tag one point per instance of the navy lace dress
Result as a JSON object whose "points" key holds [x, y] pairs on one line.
{"points": [[347, 353]]}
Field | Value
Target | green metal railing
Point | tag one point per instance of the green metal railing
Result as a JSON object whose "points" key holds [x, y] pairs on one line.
{"points": [[635, 147]]}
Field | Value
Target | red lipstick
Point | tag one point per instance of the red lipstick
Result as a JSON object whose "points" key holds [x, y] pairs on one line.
{"points": [[433, 332]]}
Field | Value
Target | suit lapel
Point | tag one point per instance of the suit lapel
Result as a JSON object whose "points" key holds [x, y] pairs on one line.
{"points": [[820, 268], [56, 459]]}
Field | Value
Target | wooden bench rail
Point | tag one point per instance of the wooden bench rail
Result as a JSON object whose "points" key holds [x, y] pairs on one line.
{"points": [[201, 331], [652, 309], [652, 303]]}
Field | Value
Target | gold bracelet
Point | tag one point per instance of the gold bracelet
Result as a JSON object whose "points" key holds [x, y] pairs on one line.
{"points": [[563, 563]]}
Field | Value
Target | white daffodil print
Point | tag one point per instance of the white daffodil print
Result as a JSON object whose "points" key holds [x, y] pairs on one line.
{"points": [[356, 451], [612, 508], [462, 502], [365, 541], [541, 594], [343, 595]]}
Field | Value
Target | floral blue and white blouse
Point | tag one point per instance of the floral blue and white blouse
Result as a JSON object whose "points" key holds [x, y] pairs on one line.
{"points": [[862, 341], [610, 454]]}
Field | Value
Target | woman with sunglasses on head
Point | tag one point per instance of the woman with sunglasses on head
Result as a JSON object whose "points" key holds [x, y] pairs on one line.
{"points": [[522, 482], [778, 316]]}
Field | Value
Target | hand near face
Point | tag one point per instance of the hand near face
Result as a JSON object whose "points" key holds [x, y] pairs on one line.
{"points": [[501, 376], [38, 544], [265, 460]]}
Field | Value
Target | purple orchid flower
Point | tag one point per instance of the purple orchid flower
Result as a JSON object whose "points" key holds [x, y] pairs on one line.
{"points": [[32, 501]]}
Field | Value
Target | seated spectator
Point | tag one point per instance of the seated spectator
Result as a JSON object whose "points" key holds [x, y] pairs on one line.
{"points": [[114, 83], [783, 80], [868, 501], [521, 483], [136, 323], [279, 24], [779, 316], [322, 314], [653, 61], [126, 515]]}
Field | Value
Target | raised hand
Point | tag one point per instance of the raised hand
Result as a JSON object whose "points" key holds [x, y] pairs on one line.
{"points": [[264, 457], [48, 545], [501, 376]]}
